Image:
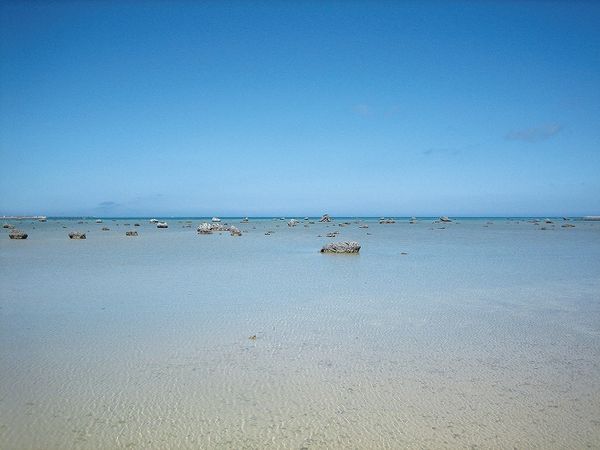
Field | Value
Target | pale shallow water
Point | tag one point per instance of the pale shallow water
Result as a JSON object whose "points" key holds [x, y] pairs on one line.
{"points": [[480, 336]]}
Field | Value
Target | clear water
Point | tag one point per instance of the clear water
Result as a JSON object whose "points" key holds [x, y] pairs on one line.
{"points": [[482, 335]]}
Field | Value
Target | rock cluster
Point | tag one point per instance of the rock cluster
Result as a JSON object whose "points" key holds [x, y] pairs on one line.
{"points": [[292, 223], [384, 220], [209, 228], [341, 247]]}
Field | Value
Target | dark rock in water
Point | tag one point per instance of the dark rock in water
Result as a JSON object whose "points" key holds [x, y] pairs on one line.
{"points": [[445, 219], [568, 225], [136, 224], [9, 226], [76, 235], [363, 226], [332, 235], [17, 234], [131, 233], [325, 218], [105, 229], [341, 247]]}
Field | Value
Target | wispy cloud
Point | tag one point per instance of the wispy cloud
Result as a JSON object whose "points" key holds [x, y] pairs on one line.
{"points": [[535, 134], [107, 204], [362, 109], [442, 151], [450, 151], [367, 110]]}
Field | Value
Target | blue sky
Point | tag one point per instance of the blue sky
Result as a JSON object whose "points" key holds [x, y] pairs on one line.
{"points": [[283, 108]]}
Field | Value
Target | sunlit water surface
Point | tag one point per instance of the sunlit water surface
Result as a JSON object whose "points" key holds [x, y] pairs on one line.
{"points": [[481, 335]]}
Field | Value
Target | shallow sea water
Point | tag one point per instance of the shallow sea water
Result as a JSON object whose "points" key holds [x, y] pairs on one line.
{"points": [[484, 335]]}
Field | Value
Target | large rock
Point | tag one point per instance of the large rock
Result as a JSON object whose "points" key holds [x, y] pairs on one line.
{"points": [[76, 235], [341, 247], [17, 234], [325, 218]]}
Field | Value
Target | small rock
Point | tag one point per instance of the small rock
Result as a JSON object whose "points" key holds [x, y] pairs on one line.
{"points": [[445, 219], [234, 231], [105, 229], [131, 233], [325, 218], [76, 235], [162, 225]]}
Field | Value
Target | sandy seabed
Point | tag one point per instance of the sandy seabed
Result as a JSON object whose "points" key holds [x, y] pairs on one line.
{"points": [[482, 335]]}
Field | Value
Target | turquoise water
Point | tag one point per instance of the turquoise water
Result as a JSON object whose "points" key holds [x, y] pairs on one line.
{"points": [[485, 333]]}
